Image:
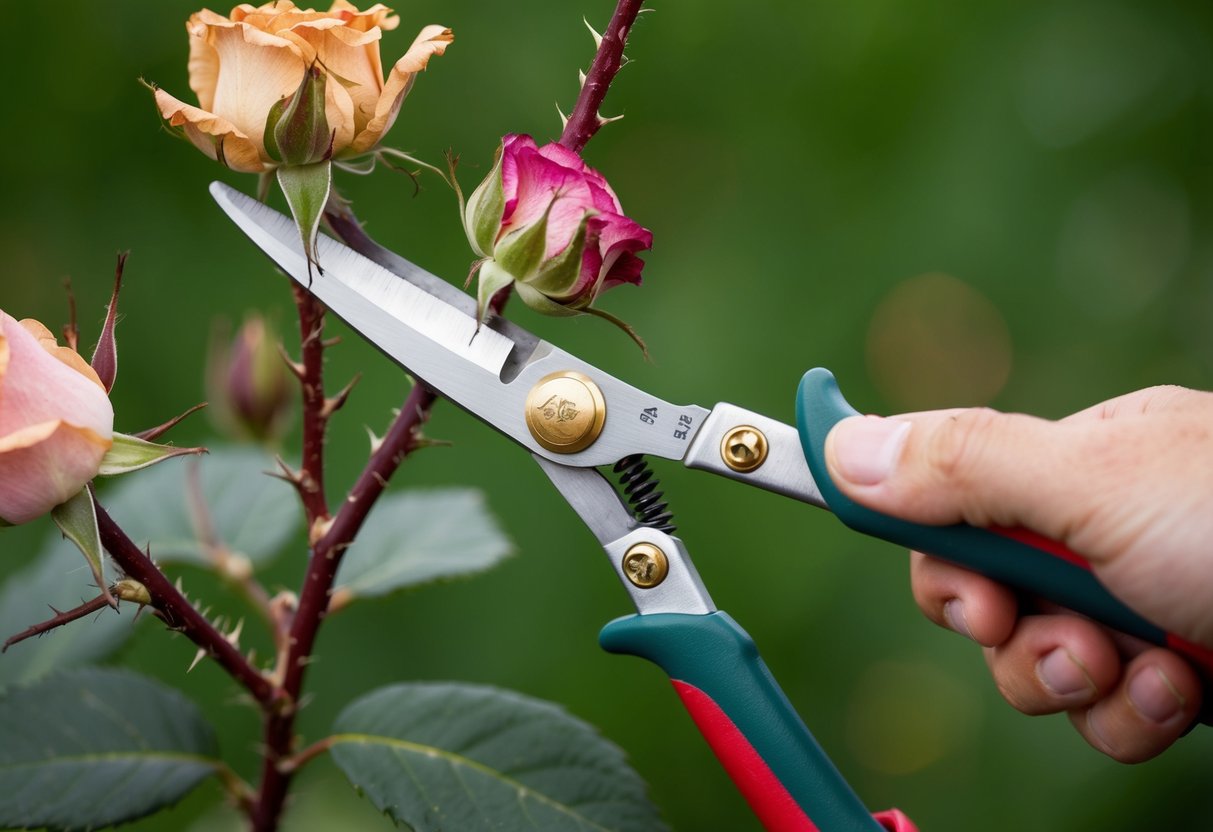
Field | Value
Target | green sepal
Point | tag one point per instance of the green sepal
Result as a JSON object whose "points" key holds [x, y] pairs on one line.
{"points": [[306, 188], [489, 281], [77, 519], [520, 252], [297, 130], [543, 304], [130, 453], [560, 274], [484, 210]]}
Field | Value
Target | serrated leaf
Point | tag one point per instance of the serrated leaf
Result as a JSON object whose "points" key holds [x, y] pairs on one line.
{"points": [[130, 453], [77, 519], [415, 537], [94, 747], [56, 577], [253, 513], [443, 756]]}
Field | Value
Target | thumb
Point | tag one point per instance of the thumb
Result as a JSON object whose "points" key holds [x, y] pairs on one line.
{"points": [[978, 466], [1130, 493]]}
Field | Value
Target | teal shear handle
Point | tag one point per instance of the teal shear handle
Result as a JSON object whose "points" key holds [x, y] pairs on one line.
{"points": [[1015, 557], [789, 782]]}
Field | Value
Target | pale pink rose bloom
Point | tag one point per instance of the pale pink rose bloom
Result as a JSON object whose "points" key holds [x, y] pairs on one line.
{"points": [[56, 421]]}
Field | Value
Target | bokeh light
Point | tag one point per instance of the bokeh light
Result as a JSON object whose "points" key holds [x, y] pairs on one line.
{"points": [[935, 341]]}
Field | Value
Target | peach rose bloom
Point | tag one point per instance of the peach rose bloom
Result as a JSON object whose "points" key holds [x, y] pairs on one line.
{"points": [[242, 65], [56, 421]]}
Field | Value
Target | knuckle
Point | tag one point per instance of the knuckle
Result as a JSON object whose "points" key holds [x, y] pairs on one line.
{"points": [[956, 444]]}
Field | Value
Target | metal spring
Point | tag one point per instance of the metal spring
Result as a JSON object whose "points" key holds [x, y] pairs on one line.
{"points": [[639, 487]]}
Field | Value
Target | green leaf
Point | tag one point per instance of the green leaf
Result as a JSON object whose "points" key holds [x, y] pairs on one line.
{"points": [[77, 519], [130, 453], [56, 577], [415, 537], [449, 756], [306, 188], [252, 513], [95, 747]]}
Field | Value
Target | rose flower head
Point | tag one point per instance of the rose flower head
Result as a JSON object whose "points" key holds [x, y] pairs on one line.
{"points": [[56, 421], [292, 90], [549, 224], [250, 68]]}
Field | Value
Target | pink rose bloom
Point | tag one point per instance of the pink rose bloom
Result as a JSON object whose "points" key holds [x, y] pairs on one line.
{"points": [[56, 421], [551, 225]]}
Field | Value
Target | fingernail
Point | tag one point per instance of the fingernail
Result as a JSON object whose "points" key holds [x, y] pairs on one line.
{"points": [[1061, 673], [954, 614], [867, 447], [1153, 695]]}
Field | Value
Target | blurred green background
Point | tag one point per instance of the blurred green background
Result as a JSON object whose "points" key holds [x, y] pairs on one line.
{"points": [[946, 203]]}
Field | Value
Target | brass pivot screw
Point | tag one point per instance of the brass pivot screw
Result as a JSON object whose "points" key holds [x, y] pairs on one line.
{"points": [[744, 448], [645, 565], [565, 412]]}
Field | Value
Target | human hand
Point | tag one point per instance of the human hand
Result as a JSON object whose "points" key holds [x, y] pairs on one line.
{"points": [[1127, 484]]}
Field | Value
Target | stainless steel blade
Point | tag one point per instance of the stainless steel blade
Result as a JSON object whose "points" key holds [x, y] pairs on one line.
{"points": [[488, 372]]}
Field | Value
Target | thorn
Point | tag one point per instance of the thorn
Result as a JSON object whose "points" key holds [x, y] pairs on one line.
{"points": [[179, 587], [319, 529], [330, 342], [287, 473], [233, 638], [603, 121], [564, 120], [597, 37], [376, 441], [335, 403], [197, 658], [297, 369], [581, 78]]}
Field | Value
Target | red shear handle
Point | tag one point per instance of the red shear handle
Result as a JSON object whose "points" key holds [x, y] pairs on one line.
{"points": [[771, 802], [748, 721]]}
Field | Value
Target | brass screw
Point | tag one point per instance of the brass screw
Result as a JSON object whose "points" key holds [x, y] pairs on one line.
{"points": [[645, 565], [744, 448], [565, 412]]}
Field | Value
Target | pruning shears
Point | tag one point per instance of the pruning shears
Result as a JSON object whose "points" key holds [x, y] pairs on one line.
{"points": [[575, 419]]}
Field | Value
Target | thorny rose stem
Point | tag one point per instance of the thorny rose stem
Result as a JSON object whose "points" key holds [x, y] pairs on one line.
{"points": [[401, 439], [330, 537], [585, 119], [178, 613]]}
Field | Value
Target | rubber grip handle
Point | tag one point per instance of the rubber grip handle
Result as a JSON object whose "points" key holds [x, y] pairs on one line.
{"points": [[1015, 557], [789, 782]]}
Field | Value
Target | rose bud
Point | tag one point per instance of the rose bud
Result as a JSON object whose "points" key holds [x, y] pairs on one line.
{"points": [[251, 67], [56, 421], [249, 382], [551, 225]]}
